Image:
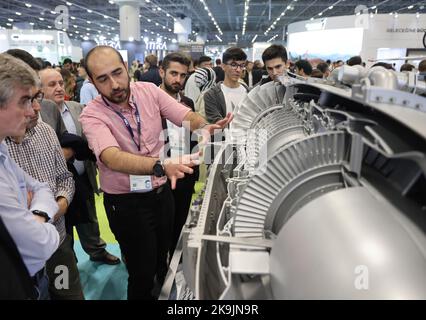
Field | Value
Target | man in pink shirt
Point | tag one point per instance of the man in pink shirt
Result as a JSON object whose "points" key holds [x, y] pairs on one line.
{"points": [[123, 126]]}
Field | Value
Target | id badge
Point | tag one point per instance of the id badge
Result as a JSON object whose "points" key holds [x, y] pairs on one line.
{"points": [[140, 183]]}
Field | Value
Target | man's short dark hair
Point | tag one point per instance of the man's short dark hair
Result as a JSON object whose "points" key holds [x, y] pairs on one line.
{"points": [[323, 67], [46, 64], [218, 62], [152, 60], [203, 59], [67, 60], [407, 67], [175, 57], [305, 66], [274, 51], [422, 66], [26, 57], [93, 50], [354, 61], [384, 65], [317, 74], [233, 54]]}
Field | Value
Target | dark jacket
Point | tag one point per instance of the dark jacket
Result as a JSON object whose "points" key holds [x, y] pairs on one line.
{"points": [[78, 84], [257, 76], [50, 114], [220, 74], [265, 80], [152, 75], [16, 283], [193, 144], [215, 104]]}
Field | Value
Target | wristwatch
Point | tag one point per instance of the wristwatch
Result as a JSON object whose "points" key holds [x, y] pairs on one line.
{"points": [[158, 169], [41, 214]]}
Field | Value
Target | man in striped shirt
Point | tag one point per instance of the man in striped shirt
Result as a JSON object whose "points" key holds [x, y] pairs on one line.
{"points": [[39, 154]]}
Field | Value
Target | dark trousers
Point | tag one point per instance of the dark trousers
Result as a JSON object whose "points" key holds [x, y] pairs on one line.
{"points": [[82, 215], [64, 282], [142, 223], [182, 197]]}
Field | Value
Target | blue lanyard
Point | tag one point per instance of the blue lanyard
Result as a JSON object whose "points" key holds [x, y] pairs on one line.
{"points": [[127, 123]]}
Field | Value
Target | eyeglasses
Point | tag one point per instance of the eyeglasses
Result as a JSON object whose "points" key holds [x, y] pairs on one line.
{"points": [[235, 66], [38, 96]]}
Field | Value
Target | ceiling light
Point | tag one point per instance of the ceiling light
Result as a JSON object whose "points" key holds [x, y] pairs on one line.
{"points": [[289, 7], [410, 7], [28, 5], [41, 19], [9, 19], [72, 18], [18, 13], [68, 3]]}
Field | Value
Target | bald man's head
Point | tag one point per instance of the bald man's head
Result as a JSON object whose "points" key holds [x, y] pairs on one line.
{"points": [[108, 73], [52, 85], [100, 51]]}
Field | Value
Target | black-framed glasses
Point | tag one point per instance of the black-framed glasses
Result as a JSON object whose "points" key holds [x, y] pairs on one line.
{"points": [[235, 65], [38, 97]]}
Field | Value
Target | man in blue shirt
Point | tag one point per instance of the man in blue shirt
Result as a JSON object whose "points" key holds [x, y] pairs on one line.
{"points": [[88, 91], [27, 206]]}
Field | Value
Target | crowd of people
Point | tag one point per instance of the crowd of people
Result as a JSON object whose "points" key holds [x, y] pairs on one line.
{"points": [[61, 126]]}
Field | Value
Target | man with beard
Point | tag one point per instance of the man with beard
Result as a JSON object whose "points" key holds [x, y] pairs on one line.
{"points": [[82, 210], [123, 126], [173, 72]]}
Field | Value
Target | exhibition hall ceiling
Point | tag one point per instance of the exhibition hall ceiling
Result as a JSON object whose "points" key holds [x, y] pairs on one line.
{"points": [[226, 21]]}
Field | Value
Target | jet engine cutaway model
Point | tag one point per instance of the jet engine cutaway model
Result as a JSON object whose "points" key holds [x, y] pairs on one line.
{"points": [[318, 193]]}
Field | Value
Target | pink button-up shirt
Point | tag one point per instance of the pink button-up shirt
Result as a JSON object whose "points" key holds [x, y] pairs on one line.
{"points": [[104, 128]]}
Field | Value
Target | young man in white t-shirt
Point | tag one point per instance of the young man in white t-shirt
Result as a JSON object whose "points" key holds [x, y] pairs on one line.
{"points": [[224, 96]]}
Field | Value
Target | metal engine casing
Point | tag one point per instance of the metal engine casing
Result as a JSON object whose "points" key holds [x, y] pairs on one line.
{"points": [[319, 193]]}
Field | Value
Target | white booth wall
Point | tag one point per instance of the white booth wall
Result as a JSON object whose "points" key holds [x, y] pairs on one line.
{"points": [[46, 44], [370, 36]]}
